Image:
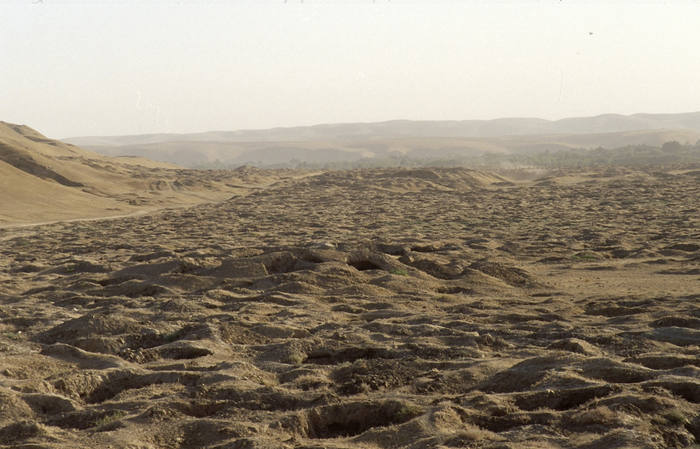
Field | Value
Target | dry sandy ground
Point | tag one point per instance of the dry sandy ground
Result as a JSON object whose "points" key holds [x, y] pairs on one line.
{"points": [[365, 309]]}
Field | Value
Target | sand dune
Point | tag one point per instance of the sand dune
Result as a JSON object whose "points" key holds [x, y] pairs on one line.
{"points": [[46, 180], [383, 308]]}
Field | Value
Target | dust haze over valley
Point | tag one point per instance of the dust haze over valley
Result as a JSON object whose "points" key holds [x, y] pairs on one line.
{"points": [[379, 248], [433, 143]]}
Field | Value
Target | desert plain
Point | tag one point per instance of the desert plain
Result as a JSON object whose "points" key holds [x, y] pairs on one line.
{"points": [[148, 306]]}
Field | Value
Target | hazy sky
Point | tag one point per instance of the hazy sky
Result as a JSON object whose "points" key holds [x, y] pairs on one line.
{"points": [[74, 68]]}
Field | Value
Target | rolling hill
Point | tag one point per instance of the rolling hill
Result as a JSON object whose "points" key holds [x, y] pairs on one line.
{"points": [[422, 139]]}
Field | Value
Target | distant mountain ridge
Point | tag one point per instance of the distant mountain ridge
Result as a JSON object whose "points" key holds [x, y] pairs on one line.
{"points": [[606, 123], [331, 143]]}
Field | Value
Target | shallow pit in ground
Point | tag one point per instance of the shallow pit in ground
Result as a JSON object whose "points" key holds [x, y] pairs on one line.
{"points": [[364, 265], [348, 419]]}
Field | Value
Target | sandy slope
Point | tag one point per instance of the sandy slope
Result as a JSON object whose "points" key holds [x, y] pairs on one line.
{"points": [[369, 308], [45, 180]]}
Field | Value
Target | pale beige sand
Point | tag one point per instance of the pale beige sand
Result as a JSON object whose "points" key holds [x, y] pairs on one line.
{"points": [[43, 180], [365, 309]]}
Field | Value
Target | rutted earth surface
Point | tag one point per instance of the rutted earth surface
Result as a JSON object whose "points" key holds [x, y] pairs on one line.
{"points": [[369, 308]]}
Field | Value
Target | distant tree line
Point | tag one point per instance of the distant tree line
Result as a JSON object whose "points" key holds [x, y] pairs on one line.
{"points": [[668, 153]]}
